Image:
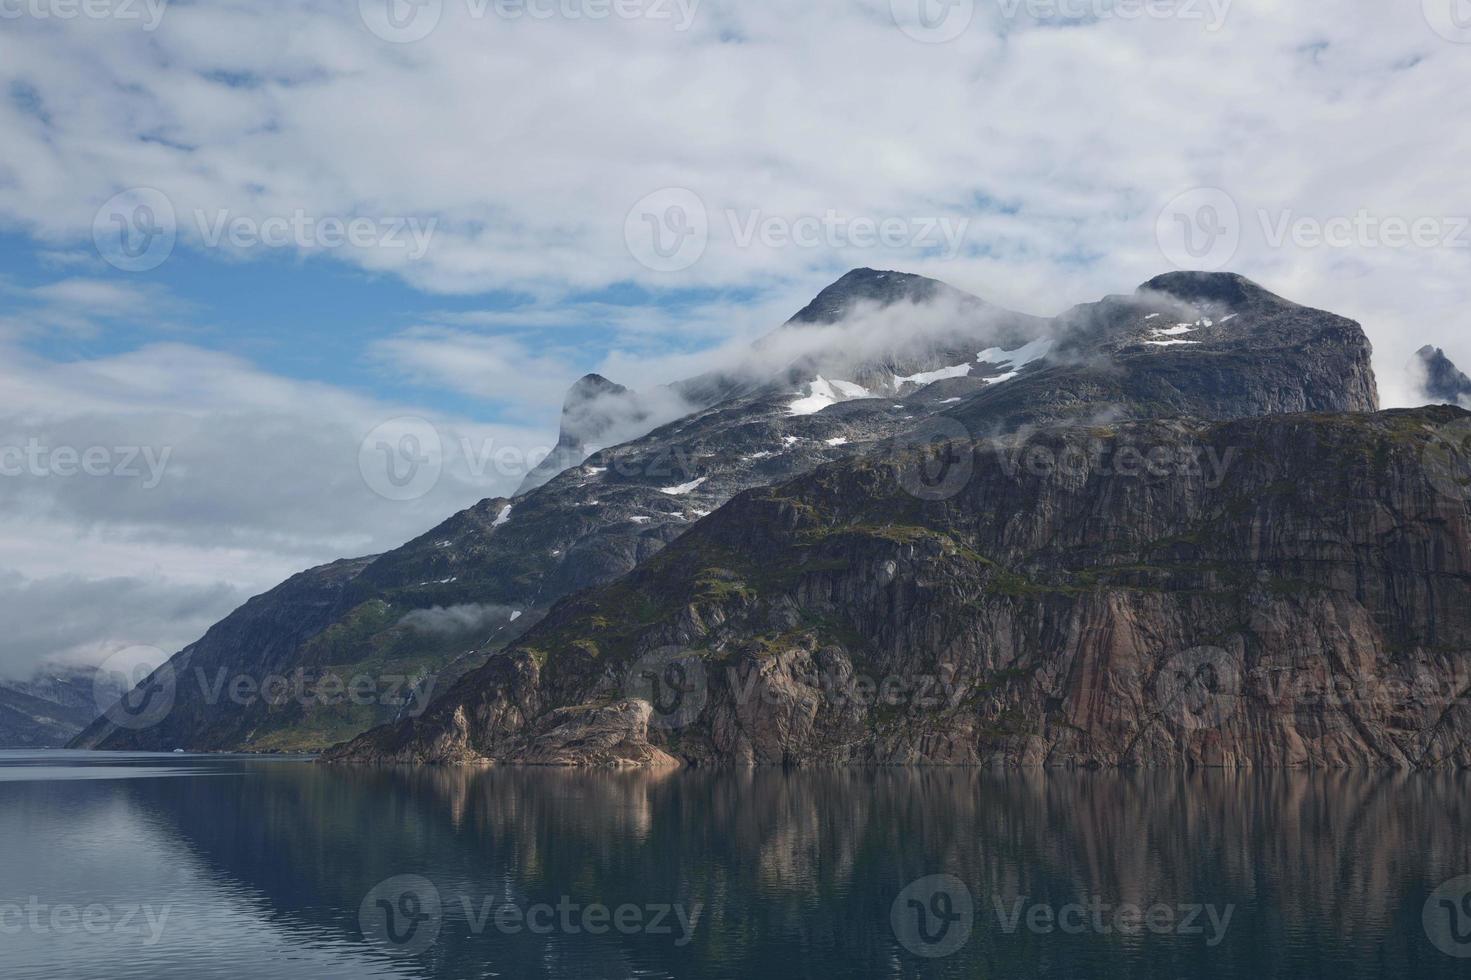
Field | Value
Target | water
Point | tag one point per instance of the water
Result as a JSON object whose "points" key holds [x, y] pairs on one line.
{"points": [[195, 867]]}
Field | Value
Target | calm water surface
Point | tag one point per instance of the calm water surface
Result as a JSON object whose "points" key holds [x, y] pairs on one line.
{"points": [[143, 866]]}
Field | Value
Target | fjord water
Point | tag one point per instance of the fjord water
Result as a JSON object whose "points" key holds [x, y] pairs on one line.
{"points": [[245, 868]]}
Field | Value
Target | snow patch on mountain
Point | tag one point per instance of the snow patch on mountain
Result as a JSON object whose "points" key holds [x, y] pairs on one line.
{"points": [[930, 377], [683, 488], [822, 393]]}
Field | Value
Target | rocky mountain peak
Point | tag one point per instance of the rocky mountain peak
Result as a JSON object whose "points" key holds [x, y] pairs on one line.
{"points": [[1443, 382], [593, 408], [1225, 288], [583, 417], [881, 287]]}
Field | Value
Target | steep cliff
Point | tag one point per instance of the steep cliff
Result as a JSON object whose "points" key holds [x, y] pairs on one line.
{"points": [[1278, 591]]}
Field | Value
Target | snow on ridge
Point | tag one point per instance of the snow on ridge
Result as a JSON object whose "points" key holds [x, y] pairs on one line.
{"points": [[837, 441], [1174, 331], [683, 488], [503, 517]]}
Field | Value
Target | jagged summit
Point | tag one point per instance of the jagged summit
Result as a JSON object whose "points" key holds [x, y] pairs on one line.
{"points": [[594, 406], [1443, 382], [583, 419]]}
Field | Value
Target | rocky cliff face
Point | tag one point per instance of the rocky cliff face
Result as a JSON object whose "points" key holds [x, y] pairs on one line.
{"points": [[880, 360], [1443, 383], [1280, 591]]}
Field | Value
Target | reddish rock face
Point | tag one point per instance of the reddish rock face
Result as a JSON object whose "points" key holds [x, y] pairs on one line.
{"points": [[1280, 591]]}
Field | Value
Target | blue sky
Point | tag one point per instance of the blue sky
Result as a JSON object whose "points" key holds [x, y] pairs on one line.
{"points": [[317, 319]]}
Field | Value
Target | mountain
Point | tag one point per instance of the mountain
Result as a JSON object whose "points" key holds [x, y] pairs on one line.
{"points": [[592, 414], [1286, 590], [870, 287], [51, 708], [1444, 383], [908, 358]]}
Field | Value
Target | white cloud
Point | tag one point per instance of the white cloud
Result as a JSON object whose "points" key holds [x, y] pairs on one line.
{"points": [[212, 481], [530, 140]]}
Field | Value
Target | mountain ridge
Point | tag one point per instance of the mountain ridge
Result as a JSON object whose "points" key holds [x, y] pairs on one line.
{"points": [[500, 565]]}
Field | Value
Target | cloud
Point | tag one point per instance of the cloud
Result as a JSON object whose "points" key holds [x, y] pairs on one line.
{"points": [[73, 619], [83, 306], [765, 113], [454, 620], [172, 477], [497, 369]]}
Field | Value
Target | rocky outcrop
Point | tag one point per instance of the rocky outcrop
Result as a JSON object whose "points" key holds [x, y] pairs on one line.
{"points": [[1443, 383], [1280, 591], [594, 408]]}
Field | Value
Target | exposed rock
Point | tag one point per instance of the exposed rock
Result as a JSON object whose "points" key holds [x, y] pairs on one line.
{"points": [[1279, 591], [871, 286], [1443, 382], [594, 406]]}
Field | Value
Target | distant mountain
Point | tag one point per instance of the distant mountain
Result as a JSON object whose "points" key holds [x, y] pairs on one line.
{"points": [[875, 362], [51, 708], [1443, 382]]}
